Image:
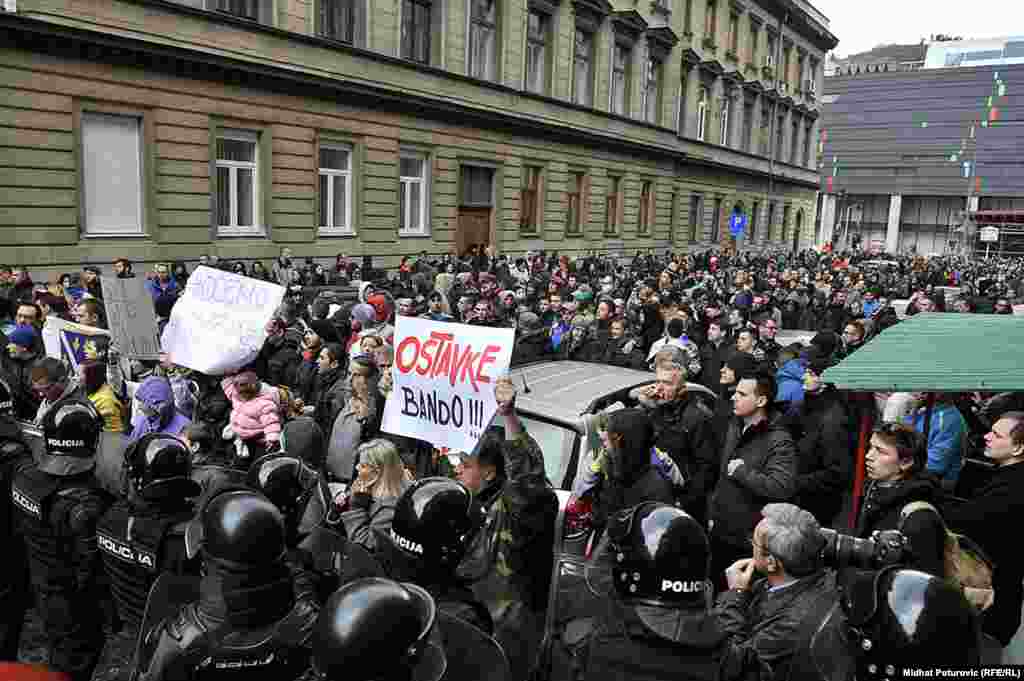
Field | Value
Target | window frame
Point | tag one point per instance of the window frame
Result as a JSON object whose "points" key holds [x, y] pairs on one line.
{"points": [[771, 220], [754, 209], [580, 177], [258, 227], [217, 6], [806, 154], [734, 33], [711, 20], [146, 161], [589, 60], [476, 23], [725, 113], [530, 221], [625, 72], [613, 213], [645, 212], [696, 216], [333, 230], [319, 25], [747, 141], [703, 93], [794, 149], [716, 221], [405, 181], [405, 46], [545, 50], [653, 74]]}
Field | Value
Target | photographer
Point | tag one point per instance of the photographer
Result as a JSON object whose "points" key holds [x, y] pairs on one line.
{"points": [[776, 617]]}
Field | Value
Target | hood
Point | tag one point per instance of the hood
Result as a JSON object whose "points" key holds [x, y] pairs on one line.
{"points": [[303, 439], [792, 370], [155, 392]]}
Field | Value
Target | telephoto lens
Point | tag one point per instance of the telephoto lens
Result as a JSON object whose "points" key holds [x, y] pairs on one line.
{"points": [[884, 547]]}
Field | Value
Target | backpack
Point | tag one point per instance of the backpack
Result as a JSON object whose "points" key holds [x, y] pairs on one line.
{"points": [[966, 565]]}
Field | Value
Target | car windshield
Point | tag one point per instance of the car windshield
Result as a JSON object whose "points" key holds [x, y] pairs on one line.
{"points": [[556, 442]]}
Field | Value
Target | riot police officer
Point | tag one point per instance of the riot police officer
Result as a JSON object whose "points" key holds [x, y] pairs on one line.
{"points": [[244, 614], [14, 454], [143, 535], [434, 519], [423, 643], [658, 623], [59, 501]]}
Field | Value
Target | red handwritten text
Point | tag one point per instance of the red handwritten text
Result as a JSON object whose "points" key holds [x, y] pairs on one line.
{"points": [[440, 355]]}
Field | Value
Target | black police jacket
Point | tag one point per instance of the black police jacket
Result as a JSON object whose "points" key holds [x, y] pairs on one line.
{"points": [[14, 455], [200, 642], [683, 430], [634, 642], [137, 542]]}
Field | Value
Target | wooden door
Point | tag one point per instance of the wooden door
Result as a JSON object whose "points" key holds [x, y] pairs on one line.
{"points": [[474, 228]]}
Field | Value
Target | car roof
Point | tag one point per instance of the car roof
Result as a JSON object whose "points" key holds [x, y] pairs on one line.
{"points": [[561, 391]]}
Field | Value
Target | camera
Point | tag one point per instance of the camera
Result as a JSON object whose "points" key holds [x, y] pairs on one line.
{"points": [[884, 547]]}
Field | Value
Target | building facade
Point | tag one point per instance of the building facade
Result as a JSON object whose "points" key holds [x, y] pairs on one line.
{"points": [[160, 130], [907, 156]]}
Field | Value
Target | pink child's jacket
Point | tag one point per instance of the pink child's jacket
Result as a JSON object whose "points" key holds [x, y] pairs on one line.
{"points": [[257, 417]]}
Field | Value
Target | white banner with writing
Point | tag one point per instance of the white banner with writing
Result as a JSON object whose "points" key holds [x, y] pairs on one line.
{"points": [[444, 377], [219, 324]]}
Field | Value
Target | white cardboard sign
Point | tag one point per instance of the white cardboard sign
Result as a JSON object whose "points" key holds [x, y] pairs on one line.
{"points": [[219, 324], [444, 376]]}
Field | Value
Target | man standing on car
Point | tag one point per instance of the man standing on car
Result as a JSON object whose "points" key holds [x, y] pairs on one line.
{"points": [[682, 428]]}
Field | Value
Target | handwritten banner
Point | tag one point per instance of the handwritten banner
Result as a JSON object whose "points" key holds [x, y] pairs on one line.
{"points": [[130, 317], [219, 323], [444, 377]]}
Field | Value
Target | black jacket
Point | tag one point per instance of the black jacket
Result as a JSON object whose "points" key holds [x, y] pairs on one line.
{"points": [[882, 505], [824, 459], [767, 475], [712, 357], [683, 430], [19, 377], [777, 626], [625, 352], [988, 518]]}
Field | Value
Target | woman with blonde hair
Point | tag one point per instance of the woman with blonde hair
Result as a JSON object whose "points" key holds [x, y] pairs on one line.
{"points": [[380, 480]]}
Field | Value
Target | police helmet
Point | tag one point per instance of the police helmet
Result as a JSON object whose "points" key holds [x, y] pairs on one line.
{"points": [[237, 525], [661, 556], [285, 480], [158, 466], [71, 432], [433, 518], [6, 400], [347, 640], [898, 617]]}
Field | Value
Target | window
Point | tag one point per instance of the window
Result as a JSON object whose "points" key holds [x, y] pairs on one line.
{"points": [[766, 118], [754, 212], [673, 215], [477, 182], [780, 135], [529, 199], [335, 189], [734, 33], [771, 46], [748, 126], [112, 181], [646, 214], [785, 222], [247, 9], [702, 112], [613, 204], [755, 36], [583, 77], [696, 208], [711, 20], [688, 18], [807, 145], [483, 43], [716, 221], [416, 30], [726, 109], [620, 79], [684, 84], [793, 149], [801, 62], [771, 221], [412, 193], [537, 32], [336, 20], [652, 91], [785, 65], [575, 197], [238, 182]]}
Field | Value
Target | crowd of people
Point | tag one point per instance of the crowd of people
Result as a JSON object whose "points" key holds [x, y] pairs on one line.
{"points": [[253, 512]]}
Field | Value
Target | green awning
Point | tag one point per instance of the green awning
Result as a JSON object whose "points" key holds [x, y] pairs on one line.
{"points": [[939, 352]]}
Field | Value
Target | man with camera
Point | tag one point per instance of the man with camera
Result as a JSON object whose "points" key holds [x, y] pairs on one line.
{"points": [[776, 617]]}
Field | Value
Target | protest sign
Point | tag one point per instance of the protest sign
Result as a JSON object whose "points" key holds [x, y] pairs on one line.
{"points": [[219, 323], [444, 376], [73, 343], [130, 317]]}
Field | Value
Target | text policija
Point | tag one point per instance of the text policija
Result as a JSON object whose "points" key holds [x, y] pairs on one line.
{"points": [[439, 356]]}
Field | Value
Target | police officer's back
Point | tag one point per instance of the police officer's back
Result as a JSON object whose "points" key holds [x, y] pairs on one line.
{"points": [[429, 533], [14, 455], [58, 502], [143, 535], [658, 623], [246, 621]]}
